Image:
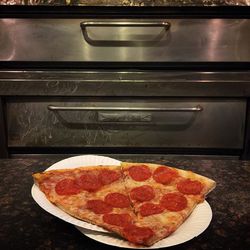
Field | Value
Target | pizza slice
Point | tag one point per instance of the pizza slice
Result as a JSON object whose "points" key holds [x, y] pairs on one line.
{"points": [[141, 202], [97, 195], [163, 197], [72, 190]]}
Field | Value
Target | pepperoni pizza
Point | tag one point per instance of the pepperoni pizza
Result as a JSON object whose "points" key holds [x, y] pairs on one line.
{"points": [[163, 197], [141, 202]]}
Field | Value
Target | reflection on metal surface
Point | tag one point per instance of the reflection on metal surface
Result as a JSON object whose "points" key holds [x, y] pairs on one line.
{"points": [[128, 2], [197, 108], [122, 38], [8, 40], [215, 38], [188, 40]]}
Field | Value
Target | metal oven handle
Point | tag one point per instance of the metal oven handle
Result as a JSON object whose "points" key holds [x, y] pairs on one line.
{"points": [[197, 108], [86, 24], [166, 25]]}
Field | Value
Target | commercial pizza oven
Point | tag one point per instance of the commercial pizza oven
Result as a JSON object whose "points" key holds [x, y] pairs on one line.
{"points": [[124, 83]]}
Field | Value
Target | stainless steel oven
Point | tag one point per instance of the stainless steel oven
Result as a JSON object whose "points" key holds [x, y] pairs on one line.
{"points": [[125, 84]]}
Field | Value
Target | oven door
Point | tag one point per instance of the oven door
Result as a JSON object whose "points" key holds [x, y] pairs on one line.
{"points": [[125, 40], [126, 122]]}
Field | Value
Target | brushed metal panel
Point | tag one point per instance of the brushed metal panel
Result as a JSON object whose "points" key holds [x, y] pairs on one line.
{"points": [[187, 40], [125, 83], [219, 125]]}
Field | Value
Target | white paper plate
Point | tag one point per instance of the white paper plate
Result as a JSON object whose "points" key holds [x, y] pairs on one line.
{"points": [[72, 162], [196, 223]]}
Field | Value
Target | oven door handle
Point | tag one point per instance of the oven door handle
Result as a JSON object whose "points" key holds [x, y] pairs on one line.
{"points": [[166, 25], [86, 24], [197, 108]]}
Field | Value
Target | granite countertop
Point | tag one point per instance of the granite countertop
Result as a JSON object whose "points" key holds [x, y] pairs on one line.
{"points": [[176, 3], [24, 225]]}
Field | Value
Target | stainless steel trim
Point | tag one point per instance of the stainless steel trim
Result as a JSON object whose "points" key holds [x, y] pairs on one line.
{"points": [[125, 76], [164, 24], [197, 108], [120, 83]]}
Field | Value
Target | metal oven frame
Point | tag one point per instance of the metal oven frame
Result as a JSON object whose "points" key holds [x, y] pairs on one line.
{"points": [[242, 90]]}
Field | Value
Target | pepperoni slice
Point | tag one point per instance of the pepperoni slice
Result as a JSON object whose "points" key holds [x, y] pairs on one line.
{"points": [[142, 193], [89, 182], [117, 200], [120, 220], [174, 201], [137, 235], [108, 176], [98, 206], [150, 209], [67, 187], [164, 175], [139, 173], [190, 187]]}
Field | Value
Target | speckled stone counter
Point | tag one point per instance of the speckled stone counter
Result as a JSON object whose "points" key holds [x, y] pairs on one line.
{"points": [[128, 2], [24, 225]]}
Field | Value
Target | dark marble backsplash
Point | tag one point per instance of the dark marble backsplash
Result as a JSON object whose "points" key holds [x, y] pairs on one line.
{"points": [[129, 2]]}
